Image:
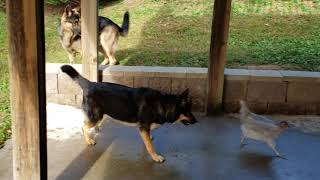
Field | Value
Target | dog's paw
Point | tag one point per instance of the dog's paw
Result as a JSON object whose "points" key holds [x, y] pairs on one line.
{"points": [[158, 158], [91, 142], [93, 133], [104, 63], [112, 63]]}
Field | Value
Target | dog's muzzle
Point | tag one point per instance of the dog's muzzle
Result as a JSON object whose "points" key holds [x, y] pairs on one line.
{"points": [[186, 120]]}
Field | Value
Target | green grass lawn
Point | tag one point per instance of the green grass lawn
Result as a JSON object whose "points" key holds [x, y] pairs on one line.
{"points": [[177, 33], [5, 122], [284, 33]]}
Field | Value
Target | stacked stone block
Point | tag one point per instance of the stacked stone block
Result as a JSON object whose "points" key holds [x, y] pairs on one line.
{"points": [[266, 91]]}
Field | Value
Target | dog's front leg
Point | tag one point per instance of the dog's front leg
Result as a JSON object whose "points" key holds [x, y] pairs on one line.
{"points": [[145, 134], [71, 58]]}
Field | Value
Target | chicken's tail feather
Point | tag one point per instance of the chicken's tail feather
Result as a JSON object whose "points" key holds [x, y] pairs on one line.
{"points": [[244, 110]]}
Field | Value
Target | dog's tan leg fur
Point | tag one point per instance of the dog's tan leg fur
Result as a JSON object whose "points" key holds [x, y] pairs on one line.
{"points": [[112, 59], [105, 60], [145, 134], [87, 125], [108, 40], [71, 58], [99, 124]]}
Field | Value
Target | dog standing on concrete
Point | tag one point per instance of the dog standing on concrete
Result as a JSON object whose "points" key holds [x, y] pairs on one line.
{"points": [[69, 31], [142, 107]]}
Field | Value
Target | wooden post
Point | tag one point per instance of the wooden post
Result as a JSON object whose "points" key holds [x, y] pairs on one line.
{"points": [[89, 16], [27, 88], [218, 47]]}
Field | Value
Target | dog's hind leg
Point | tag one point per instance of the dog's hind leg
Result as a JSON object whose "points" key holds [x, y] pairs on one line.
{"points": [[106, 58], [99, 124], [145, 134], [108, 40], [111, 57], [85, 130]]}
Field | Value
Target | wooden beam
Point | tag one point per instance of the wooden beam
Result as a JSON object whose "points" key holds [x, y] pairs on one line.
{"points": [[218, 47], [27, 88], [89, 16]]}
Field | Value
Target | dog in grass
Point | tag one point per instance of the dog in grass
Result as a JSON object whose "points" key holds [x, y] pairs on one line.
{"points": [[69, 30], [142, 107]]}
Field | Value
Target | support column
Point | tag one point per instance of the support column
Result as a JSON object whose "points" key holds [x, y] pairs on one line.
{"points": [[218, 47], [89, 16], [27, 88]]}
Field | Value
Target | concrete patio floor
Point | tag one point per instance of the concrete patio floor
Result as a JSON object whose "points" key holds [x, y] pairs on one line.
{"points": [[207, 150]]}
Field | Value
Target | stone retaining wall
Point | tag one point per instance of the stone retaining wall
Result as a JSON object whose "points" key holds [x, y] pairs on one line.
{"points": [[273, 92]]}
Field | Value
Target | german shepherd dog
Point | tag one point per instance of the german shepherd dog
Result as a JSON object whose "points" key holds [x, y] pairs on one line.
{"points": [[143, 107], [69, 30]]}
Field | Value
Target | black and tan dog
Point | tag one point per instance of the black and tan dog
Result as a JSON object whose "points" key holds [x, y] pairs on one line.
{"points": [[144, 107], [69, 31]]}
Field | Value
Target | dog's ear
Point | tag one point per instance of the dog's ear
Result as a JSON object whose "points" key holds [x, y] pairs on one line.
{"points": [[78, 9], [184, 94], [68, 10]]}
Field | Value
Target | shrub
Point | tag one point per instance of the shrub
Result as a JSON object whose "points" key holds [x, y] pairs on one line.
{"points": [[59, 2]]}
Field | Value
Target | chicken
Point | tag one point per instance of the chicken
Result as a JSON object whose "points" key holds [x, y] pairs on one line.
{"points": [[260, 128]]}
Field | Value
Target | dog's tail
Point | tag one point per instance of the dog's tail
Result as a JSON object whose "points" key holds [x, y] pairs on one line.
{"points": [[83, 82], [125, 24], [244, 110]]}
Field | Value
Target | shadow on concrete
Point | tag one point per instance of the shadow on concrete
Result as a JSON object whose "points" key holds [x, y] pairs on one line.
{"points": [[207, 150], [142, 168], [256, 162], [116, 157], [85, 160]]}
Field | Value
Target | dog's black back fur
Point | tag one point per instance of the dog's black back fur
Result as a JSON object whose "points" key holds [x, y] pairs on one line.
{"points": [[143, 106], [103, 22]]}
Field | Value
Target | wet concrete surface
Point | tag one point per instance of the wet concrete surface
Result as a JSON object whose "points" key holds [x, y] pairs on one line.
{"points": [[207, 150]]}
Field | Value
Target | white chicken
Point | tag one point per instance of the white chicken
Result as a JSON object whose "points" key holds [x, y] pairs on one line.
{"points": [[260, 128]]}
